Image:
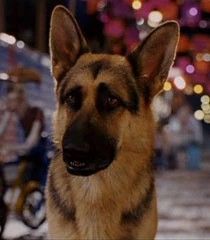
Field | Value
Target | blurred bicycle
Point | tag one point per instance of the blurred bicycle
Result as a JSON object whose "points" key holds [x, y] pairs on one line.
{"points": [[24, 195], [25, 200]]}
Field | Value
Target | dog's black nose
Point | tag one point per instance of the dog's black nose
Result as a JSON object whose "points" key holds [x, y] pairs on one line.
{"points": [[82, 148]]}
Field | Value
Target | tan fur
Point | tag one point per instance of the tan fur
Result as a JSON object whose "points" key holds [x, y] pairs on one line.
{"points": [[100, 200]]}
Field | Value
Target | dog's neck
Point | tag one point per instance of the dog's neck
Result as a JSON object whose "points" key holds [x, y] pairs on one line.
{"points": [[128, 193]]}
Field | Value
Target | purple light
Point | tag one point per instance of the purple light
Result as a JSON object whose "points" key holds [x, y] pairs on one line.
{"points": [[190, 69], [203, 24], [193, 11]]}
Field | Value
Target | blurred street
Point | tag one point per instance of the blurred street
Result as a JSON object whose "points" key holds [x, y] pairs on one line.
{"points": [[183, 204]]}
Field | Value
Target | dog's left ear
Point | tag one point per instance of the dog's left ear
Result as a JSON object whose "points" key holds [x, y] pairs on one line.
{"points": [[151, 61], [66, 42]]}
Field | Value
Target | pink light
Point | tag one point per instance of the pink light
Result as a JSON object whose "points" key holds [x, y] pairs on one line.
{"points": [[193, 11], [190, 69]]}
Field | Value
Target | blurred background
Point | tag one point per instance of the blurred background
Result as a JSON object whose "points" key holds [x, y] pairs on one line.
{"points": [[182, 110]]}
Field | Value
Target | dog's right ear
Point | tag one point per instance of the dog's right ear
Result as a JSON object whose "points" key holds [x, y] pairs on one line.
{"points": [[66, 42]]}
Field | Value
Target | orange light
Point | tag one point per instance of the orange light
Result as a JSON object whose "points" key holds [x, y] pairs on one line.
{"points": [[198, 89], [167, 86], [136, 4]]}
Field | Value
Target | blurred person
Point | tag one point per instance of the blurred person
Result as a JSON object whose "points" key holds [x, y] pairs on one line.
{"points": [[192, 137], [184, 134], [160, 141], [32, 150], [10, 132]]}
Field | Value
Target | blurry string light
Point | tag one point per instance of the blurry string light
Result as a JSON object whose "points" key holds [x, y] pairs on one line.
{"points": [[206, 57], [167, 86], [179, 82], [142, 34], [199, 114], [190, 69], [140, 22], [4, 76], [45, 61], [203, 24], [20, 44], [193, 11], [188, 90], [7, 38], [205, 107], [203, 57], [207, 118], [154, 18], [199, 57], [198, 89], [136, 4], [205, 99]]}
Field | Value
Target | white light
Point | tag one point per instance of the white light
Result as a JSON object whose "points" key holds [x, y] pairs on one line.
{"points": [[45, 61], [203, 24], [142, 35], [140, 22], [7, 38], [207, 118], [154, 18], [205, 107], [193, 11], [4, 76], [20, 44], [180, 82], [205, 99], [206, 57], [174, 72], [199, 115]]}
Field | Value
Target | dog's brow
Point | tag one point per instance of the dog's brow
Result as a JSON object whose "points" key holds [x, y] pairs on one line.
{"points": [[97, 66], [103, 64]]}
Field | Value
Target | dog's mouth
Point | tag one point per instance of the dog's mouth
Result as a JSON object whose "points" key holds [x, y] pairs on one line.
{"points": [[85, 166], [85, 169]]}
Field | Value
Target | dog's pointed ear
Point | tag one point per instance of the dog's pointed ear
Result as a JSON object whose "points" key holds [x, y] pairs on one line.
{"points": [[151, 61], [66, 42]]}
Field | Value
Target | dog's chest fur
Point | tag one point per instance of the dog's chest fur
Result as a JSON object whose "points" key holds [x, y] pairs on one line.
{"points": [[97, 207]]}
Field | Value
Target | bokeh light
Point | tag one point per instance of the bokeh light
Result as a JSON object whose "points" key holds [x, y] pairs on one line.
{"points": [[190, 69], [198, 89], [179, 82], [199, 115], [193, 11], [154, 18], [136, 4], [167, 86], [205, 99]]}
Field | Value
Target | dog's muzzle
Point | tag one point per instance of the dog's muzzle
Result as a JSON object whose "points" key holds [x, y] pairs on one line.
{"points": [[86, 149], [85, 161]]}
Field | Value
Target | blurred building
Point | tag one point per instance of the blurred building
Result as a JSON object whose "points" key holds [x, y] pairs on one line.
{"points": [[118, 26]]}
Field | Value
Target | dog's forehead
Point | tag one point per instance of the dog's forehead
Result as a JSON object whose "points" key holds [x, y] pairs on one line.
{"points": [[92, 69], [94, 65], [104, 59]]}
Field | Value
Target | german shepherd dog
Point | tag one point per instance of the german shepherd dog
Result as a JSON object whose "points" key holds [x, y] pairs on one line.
{"points": [[100, 184]]}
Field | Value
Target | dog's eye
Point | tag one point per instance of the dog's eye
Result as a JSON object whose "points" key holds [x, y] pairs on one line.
{"points": [[111, 102], [74, 101]]}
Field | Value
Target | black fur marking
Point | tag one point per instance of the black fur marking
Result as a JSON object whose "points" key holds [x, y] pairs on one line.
{"points": [[98, 66], [133, 105], [136, 215], [104, 91], [61, 90], [66, 212], [147, 94]]}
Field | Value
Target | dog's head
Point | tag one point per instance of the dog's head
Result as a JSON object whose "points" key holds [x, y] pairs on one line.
{"points": [[100, 94]]}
